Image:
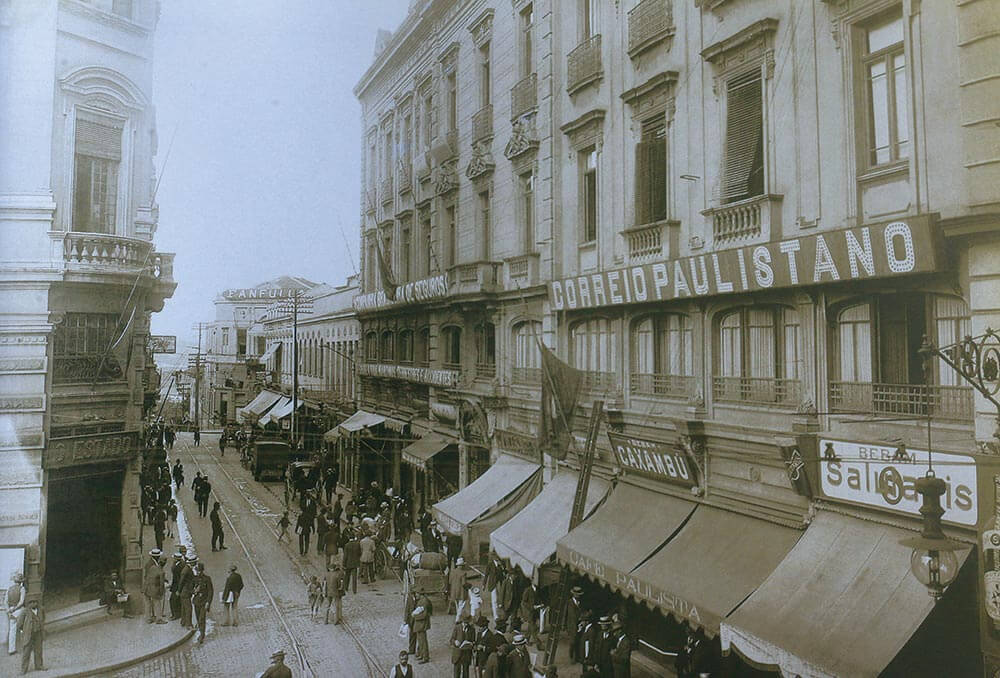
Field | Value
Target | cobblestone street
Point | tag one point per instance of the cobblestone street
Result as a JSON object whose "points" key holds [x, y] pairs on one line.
{"points": [[367, 645]]}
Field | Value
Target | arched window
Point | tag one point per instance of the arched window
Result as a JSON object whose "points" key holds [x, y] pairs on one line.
{"points": [[385, 352], [452, 343], [662, 355], [404, 346], [527, 367], [486, 350], [758, 356], [422, 347], [594, 349], [371, 347]]}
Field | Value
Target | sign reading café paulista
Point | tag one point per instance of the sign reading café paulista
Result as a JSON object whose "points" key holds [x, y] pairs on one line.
{"points": [[895, 248]]}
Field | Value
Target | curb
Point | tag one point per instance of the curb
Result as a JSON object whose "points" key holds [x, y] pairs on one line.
{"points": [[130, 662]]}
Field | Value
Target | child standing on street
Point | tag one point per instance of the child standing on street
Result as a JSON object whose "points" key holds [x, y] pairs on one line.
{"points": [[315, 590], [283, 523]]}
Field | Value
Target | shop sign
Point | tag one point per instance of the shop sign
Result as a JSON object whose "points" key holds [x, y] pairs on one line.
{"points": [[886, 250], [417, 291], [989, 565], [162, 343], [421, 375], [516, 442], [265, 294], [90, 449], [884, 477], [653, 459]]}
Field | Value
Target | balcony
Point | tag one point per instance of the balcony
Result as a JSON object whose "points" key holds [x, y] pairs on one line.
{"points": [[530, 376], [524, 96], [482, 124], [88, 368], [109, 253], [670, 385], [475, 278], [953, 403], [756, 391], [583, 65], [522, 271], [457, 367], [600, 381], [385, 189], [650, 242], [444, 147], [649, 22], [486, 370], [756, 218], [405, 176]]}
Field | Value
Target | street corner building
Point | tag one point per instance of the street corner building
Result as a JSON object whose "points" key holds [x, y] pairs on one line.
{"points": [[79, 279], [766, 233]]}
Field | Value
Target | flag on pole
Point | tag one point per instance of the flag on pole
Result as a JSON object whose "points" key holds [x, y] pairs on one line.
{"points": [[122, 348], [385, 272], [560, 390]]}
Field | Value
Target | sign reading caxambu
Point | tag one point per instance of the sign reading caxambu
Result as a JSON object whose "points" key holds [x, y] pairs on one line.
{"points": [[654, 459], [895, 248]]}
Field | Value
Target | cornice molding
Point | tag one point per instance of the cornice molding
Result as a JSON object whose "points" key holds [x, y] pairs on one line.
{"points": [[717, 51], [665, 79]]}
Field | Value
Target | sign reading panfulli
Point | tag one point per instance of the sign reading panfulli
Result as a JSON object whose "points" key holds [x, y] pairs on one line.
{"points": [[414, 292], [656, 460], [263, 294], [884, 476], [896, 248]]}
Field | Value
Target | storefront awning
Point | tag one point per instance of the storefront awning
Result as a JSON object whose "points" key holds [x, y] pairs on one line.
{"points": [[269, 353], [842, 603], [589, 551], [265, 417], [282, 410], [359, 420], [258, 406], [529, 538], [711, 566], [492, 498], [417, 453], [332, 436]]}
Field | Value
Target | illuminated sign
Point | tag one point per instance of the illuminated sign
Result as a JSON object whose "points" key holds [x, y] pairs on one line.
{"points": [[884, 477], [896, 248]]}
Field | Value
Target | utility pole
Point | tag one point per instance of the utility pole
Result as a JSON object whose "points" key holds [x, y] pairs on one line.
{"points": [[298, 304], [197, 376]]}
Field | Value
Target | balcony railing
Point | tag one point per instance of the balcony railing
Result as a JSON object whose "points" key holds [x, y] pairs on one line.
{"points": [[105, 251], [645, 243], [757, 390], [531, 376], [917, 400], [648, 22], [385, 189], [476, 277], [97, 367], [487, 370], [523, 270], [756, 217], [524, 96], [405, 176], [451, 366], [482, 123], [583, 65], [600, 381], [673, 385]]}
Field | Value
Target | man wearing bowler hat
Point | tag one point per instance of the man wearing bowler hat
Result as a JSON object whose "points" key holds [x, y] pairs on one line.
{"points": [[277, 669]]}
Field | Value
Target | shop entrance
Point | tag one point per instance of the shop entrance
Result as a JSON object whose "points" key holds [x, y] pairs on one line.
{"points": [[83, 531]]}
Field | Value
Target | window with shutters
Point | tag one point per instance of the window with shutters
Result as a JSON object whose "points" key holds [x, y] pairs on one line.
{"points": [[527, 358], [422, 347], [651, 173], [526, 61], [371, 347], [405, 254], [526, 184], [386, 347], [97, 157], [452, 347], [451, 235], [485, 76], [451, 85], [743, 171], [486, 350], [430, 262], [485, 225]]}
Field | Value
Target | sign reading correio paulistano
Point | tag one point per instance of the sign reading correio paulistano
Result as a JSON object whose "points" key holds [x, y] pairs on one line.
{"points": [[895, 248], [885, 476], [413, 292]]}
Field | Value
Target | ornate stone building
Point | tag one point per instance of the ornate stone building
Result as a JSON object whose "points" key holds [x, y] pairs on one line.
{"points": [[79, 278]]}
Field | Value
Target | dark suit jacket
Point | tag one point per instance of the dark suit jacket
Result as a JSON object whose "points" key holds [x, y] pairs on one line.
{"points": [[460, 634], [519, 663], [422, 621], [352, 555], [28, 624]]}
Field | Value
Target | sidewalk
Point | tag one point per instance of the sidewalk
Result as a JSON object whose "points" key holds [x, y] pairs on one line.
{"points": [[113, 643]]}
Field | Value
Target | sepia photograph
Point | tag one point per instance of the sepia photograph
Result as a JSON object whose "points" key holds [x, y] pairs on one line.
{"points": [[500, 338]]}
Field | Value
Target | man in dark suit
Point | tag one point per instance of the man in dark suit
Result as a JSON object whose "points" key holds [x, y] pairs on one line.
{"points": [[574, 608], [486, 643], [463, 639], [606, 641], [421, 622], [175, 584], [621, 653], [186, 590], [519, 661], [29, 636]]}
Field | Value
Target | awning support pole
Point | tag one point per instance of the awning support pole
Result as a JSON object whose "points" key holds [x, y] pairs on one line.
{"points": [[575, 518]]}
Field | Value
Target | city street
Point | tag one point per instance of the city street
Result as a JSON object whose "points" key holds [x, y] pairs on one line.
{"points": [[274, 611]]}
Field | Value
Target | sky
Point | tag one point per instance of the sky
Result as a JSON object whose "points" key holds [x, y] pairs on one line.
{"points": [[259, 142]]}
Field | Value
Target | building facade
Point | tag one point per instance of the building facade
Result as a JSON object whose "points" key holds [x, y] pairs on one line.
{"points": [[79, 278], [739, 219]]}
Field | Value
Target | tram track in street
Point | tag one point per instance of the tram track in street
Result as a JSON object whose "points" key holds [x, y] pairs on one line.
{"points": [[373, 669]]}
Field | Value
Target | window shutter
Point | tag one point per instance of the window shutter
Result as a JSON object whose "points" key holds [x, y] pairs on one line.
{"points": [[658, 180], [641, 184], [744, 132], [99, 139]]}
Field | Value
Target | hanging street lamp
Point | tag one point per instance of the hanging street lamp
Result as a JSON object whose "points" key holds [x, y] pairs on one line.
{"points": [[933, 561]]}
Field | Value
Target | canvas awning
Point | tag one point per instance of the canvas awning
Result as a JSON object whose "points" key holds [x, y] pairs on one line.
{"points": [[269, 353], [359, 420], [420, 451], [716, 560], [282, 410], [258, 406], [332, 436], [842, 603], [589, 551], [265, 417], [489, 501], [529, 538]]}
